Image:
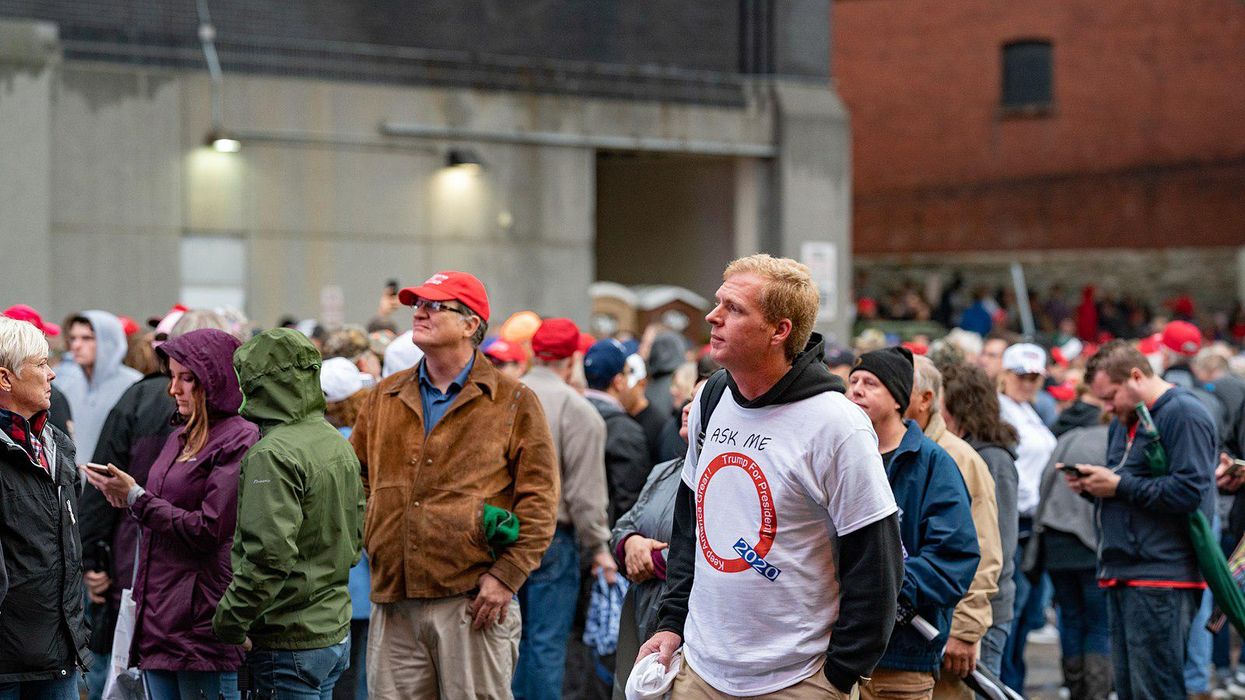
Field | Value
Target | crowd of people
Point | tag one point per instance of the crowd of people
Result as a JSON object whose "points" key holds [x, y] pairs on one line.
{"points": [[1094, 314], [214, 511]]}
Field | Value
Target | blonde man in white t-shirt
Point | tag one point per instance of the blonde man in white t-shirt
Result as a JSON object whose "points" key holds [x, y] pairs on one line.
{"points": [[785, 562]]}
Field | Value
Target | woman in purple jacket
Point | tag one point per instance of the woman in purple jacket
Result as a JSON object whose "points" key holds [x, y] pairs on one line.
{"points": [[188, 512]]}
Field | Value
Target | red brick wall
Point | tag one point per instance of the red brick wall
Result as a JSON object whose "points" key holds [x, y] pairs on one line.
{"points": [[1145, 145]]}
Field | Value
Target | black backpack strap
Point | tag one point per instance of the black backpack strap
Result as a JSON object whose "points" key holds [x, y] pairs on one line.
{"points": [[709, 397]]}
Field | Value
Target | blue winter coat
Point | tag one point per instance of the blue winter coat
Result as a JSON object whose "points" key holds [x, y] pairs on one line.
{"points": [[936, 527], [1145, 534]]}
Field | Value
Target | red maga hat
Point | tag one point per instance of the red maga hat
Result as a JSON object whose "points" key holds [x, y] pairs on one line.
{"points": [[505, 352], [21, 312], [450, 285], [1182, 337], [556, 339]]}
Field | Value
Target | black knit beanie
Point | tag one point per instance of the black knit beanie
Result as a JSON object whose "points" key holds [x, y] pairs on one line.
{"points": [[894, 368]]}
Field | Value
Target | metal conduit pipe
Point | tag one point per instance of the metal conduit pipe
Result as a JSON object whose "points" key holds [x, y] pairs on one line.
{"points": [[207, 38], [596, 141]]}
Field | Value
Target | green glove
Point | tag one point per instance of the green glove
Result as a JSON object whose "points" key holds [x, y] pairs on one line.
{"points": [[501, 527]]}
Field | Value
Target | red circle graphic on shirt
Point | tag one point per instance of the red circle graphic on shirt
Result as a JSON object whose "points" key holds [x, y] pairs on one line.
{"points": [[769, 518]]}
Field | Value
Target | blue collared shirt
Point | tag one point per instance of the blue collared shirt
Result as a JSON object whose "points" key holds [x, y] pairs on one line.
{"points": [[434, 402]]}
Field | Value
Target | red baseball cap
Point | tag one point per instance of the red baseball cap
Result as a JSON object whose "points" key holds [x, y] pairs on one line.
{"points": [[1063, 392], [154, 321], [505, 352], [916, 348], [586, 340], [1182, 337], [449, 285], [556, 339], [129, 325], [1149, 345], [21, 312]]}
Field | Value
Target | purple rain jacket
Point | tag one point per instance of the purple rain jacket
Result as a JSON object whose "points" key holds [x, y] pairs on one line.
{"points": [[188, 514]]}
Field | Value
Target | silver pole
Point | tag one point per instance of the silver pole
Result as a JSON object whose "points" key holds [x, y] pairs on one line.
{"points": [[1022, 301]]}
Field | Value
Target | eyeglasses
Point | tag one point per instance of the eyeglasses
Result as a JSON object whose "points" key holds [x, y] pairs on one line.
{"points": [[433, 307]]}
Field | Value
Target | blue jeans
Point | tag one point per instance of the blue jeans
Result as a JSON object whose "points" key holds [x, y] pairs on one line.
{"points": [[305, 674], [57, 689], [547, 601], [1197, 664], [1083, 624], [98, 675], [190, 685], [992, 644], [1030, 614], [1149, 636]]}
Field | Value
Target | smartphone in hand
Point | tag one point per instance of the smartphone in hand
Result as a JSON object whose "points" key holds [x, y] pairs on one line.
{"points": [[100, 470], [1070, 470]]}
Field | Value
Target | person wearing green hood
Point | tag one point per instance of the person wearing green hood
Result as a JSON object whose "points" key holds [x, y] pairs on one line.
{"points": [[300, 526]]}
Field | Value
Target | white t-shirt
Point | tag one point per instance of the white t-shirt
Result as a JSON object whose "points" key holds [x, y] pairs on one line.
{"points": [[775, 489], [1037, 444]]}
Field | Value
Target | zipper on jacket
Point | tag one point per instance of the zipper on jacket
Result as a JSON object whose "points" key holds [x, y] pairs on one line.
{"points": [[1128, 448]]}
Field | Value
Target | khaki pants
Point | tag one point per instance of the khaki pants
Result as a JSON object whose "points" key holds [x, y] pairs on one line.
{"points": [[901, 685], [950, 687], [688, 685], [427, 649]]}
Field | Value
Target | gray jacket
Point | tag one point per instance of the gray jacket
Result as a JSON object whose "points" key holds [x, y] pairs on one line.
{"points": [[1061, 509], [652, 516], [1002, 464], [91, 400], [579, 436]]}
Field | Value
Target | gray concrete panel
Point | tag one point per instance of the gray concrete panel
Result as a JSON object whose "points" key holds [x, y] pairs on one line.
{"points": [[813, 184], [28, 56]]}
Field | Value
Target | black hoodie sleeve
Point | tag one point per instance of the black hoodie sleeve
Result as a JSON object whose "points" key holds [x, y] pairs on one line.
{"points": [[680, 564], [870, 576]]}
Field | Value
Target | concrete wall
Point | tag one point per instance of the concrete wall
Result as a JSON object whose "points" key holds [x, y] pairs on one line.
{"points": [[28, 60], [116, 175]]}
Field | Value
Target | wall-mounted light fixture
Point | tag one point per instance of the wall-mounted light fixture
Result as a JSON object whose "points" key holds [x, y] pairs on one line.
{"points": [[222, 142], [463, 158]]}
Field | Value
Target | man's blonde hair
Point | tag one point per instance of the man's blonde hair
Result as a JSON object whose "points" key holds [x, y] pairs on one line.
{"points": [[789, 293]]}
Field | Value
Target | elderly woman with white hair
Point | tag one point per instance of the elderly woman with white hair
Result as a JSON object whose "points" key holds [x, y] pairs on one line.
{"points": [[42, 632]]}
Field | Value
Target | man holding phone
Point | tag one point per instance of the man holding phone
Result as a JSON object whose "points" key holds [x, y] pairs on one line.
{"points": [[1146, 558]]}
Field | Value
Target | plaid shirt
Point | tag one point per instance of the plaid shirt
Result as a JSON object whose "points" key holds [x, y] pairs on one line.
{"points": [[26, 433]]}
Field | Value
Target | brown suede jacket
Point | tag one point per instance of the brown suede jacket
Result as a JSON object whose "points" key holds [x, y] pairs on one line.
{"points": [[422, 531]]}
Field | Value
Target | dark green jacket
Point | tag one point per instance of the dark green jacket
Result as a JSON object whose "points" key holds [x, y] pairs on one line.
{"points": [[300, 506]]}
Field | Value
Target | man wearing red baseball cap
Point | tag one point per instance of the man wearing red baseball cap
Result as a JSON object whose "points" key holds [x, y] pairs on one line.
{"points": [[1179, 342], [438, 443], [548, 599], [509, 358]]}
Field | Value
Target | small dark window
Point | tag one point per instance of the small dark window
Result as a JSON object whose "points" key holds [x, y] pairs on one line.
{"points": [[1027, 75]]}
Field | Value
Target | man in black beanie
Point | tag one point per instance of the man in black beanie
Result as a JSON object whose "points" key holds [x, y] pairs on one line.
{"points": [[935, 525]]}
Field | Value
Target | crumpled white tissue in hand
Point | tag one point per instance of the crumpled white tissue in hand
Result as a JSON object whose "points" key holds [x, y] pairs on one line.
{"points": [[649, 680]]}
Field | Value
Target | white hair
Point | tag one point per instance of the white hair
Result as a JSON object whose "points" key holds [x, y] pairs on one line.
{"points": [[968, 341], [927, 378], [20, 341]]}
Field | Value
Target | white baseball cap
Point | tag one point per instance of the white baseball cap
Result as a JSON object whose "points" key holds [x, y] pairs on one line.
{"points": [[1025, 358], [340, 379]]}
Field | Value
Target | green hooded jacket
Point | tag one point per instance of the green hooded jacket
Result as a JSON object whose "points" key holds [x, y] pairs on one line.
{"points": [[300, 506]]}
